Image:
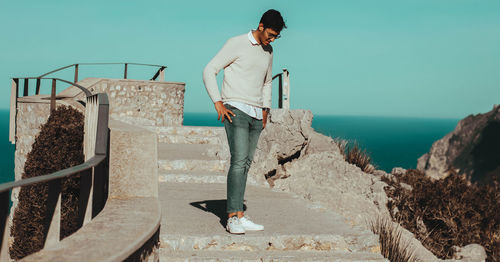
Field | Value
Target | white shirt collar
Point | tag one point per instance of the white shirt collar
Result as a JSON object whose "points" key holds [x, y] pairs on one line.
{"points": [[251, 38]]}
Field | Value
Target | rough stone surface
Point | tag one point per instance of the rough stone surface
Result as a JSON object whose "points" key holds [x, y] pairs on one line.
{"points": [[121, 228], [139, 102], [398, 171], [133, 167], [470, 253], [268, 256], [30, 116], [472, 149], [293, 157], [284, 138], [327, 178], [291, 223], [313, 168]]}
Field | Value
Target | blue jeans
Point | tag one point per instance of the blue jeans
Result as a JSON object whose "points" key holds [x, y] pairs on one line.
{"points": [[242, 136]]}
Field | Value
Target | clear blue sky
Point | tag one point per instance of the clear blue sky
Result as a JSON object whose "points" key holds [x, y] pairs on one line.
{"points": [[417, 58]]}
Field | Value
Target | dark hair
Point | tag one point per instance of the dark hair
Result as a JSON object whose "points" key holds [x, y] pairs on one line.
{"points": [[273, 19]]}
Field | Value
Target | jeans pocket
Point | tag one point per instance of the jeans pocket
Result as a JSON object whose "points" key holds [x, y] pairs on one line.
{"points": [[233, 109]]}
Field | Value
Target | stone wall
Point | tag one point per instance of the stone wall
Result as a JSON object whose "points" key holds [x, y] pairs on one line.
{"points": [[30, 116], [138, 102], [143, 103]]}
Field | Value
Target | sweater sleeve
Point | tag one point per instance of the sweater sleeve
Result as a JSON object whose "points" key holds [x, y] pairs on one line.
{"points": [[221, 60], [267, 90]]}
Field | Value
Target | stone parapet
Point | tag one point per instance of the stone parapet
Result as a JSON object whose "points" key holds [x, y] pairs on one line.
{"points": [[117, 233], [139, 102], [133, 166]]}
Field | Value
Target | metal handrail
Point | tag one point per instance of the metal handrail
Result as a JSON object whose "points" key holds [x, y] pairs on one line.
{"points": [[92, 162], [99, 155], [85, 90], [280, 86], [160, 72], [15, 87], [162, 67], [15, 96]]}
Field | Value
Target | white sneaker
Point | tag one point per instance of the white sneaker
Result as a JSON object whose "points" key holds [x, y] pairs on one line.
{"points": [[234, 226], [249, 225]]}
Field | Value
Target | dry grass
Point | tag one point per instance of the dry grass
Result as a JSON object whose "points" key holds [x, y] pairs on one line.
{"points": [[447, 212], [58, 146], [392, 247], [353, 154]]}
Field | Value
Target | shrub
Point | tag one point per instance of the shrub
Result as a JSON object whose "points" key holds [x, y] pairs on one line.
{"points": [[342, 144], [391, 245], [354, 155], [447, 212], [59, 145]]}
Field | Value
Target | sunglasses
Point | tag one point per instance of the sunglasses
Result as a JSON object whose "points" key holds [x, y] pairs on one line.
{"points": [[271, 35]]}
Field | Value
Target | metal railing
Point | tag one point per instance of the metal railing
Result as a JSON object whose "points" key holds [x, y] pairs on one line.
{"points": [[283, 89], [160, 72], [15, 94], [94, 174]]}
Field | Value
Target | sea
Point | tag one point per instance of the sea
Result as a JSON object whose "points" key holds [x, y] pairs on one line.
{"points": [[389, 141]]}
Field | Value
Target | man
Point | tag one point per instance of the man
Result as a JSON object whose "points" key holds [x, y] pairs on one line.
{"points": [[246, 98]]}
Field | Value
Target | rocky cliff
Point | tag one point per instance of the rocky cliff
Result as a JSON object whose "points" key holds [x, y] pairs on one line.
{"points": [[472, 149], [292, 157], [295, 158]]}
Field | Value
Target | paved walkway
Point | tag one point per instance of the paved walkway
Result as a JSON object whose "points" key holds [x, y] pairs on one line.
{"points": [[192, 198]]}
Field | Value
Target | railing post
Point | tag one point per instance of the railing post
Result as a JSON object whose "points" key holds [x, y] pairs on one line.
{"points": [[162, 74], [286, 89], [26, 85], [4, 232], [125, 73], [102, 136], [13, 110], [76, 73], [53, 96], [87, 179], [37, 91], [53, 214], [100, 172], [280, 91], [85, 205]]}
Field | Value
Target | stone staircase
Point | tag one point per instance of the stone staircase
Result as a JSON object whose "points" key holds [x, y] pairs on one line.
{"points": [[193, 163]]}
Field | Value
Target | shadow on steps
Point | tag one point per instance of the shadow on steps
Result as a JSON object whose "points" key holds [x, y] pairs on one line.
{"points": [[216, 207]]}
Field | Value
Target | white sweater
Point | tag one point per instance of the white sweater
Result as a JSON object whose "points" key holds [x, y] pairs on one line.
{"points": [[247, 73]]}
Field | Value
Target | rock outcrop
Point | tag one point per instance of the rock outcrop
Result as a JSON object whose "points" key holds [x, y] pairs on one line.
{"points": [[472, 149], [284, 139], [292, 157], [295, 158]]}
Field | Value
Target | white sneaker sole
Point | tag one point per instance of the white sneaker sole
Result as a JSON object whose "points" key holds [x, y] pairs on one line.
{"points": [[254, 229], [235, 233]]}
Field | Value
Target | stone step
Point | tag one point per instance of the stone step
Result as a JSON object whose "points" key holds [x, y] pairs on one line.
{"points": [[192, 177], [181, 139], [193, 219], [190, 134], [259, 241], [193, 165], [267, 256], [188, 151]]}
